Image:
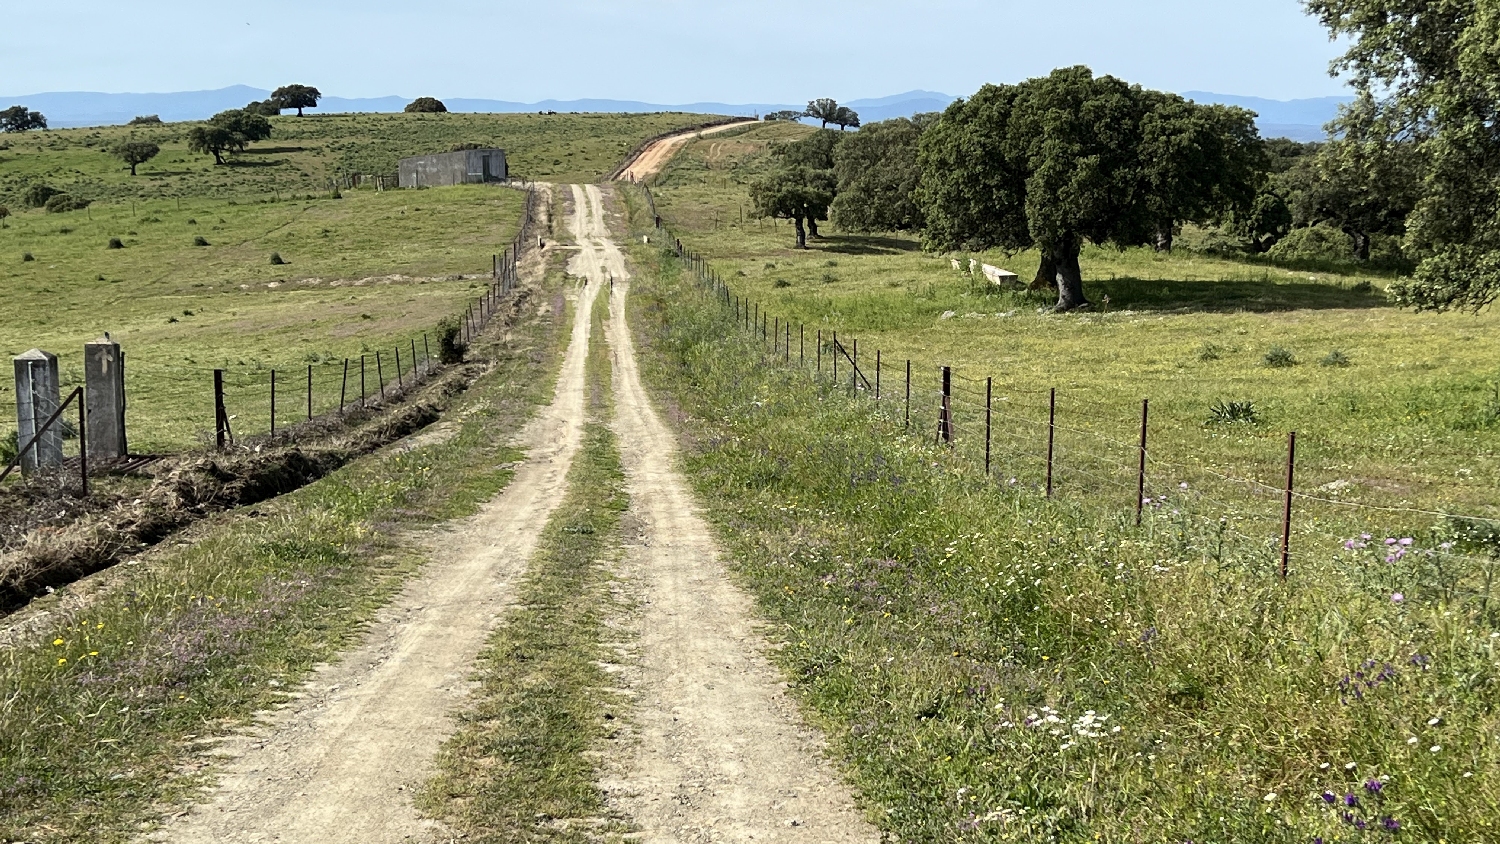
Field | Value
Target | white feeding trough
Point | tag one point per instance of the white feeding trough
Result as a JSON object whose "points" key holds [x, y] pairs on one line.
{"points": [[1004, 278]]}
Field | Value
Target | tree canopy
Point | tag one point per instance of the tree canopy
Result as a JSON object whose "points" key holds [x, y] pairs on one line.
{"points": [[426, 105], [19, 119], [265, 108], [829, 111], [1067, 158], [801, 184], [1428, 78], [134, 152], [877, 175], [296, 96], [228, 131]]}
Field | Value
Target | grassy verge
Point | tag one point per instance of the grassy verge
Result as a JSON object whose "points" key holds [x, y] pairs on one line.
{"points": [[104, 696], [520, 767], [1391, 407], [991, 666]]}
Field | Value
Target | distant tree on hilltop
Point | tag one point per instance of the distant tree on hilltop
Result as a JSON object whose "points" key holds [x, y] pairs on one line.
{"points": [[845, 117], [296, 96], [228, 131], [265, 108], [146, 120], [426, 105], [135, 152], [791, 116], [19, 119]]}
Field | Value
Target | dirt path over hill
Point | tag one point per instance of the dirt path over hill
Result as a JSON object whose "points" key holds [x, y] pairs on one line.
{"points": [[655, 157], [722, 754], [340, 762]]}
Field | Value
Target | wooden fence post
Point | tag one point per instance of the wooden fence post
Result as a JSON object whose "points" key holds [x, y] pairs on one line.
{"points": [[221, 417], [945, 412]]}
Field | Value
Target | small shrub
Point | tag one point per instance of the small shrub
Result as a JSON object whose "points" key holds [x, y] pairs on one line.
{"points": [[770, 265], [60, 203], [65, 230], [1210, 351], [1279, 358], [1230, 412], [36, 196], [1334, 358], [1365, 286], [116, 243], [171, 319], [145, 120], [27, 257], [187, 313], [10, 444], [829, 278], [830, 263], [276, 259], [450, 348], [200, 240], [781, 282], [192, 221]]}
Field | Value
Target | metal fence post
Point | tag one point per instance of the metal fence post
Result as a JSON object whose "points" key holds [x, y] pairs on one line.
{"points": [[83, 444], [945, 413], [221, 417], [1286, 515], [1051, 436], [1140, 478], [380, 375], [362, 392], [908, 394], [273, 402], [309, 392], [344, 387], [399, 385], [877, 375], [989, 393]]}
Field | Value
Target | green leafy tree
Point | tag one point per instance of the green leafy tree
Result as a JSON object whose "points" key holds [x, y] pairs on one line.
{"points": [[265, 108], [1265, 221], [211, 140], [135, 153], [789, 116], [296, 96], [824, 109], [813, 154], [1361, 187], [19, 119], [1428, 74], [845, 117], [877, 174], [426, 105], [37, 195], [1057, 161], [793, 192], [1201, 162]]}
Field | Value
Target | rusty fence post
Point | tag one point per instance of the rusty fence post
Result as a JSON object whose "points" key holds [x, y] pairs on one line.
{"points": [[1051, 435], [1286, 514], [1140, 478], [989, 393]]}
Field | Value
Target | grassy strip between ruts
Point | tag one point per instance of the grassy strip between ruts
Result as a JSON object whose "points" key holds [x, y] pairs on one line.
{"points": [[519, 767], [991, 666], [104, 701]]}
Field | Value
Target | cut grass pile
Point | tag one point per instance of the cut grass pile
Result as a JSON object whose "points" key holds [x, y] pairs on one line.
{"points": [[109, 688], [523, 764], [993, 666]]}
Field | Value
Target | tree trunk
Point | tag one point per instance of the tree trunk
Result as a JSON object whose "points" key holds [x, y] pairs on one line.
{"points": [[1069, 276], [812, 227], [1361, 246], [801, 233], [1046, 274], [1164, 238], [218, 158], [132, 169], [299, 111]]}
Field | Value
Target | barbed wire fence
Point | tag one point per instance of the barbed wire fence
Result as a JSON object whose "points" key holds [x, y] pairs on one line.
{"points": [[246, 406], [1061, 445]]}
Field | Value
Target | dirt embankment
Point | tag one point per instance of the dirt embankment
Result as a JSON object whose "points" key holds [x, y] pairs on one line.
{"points": [[650, 157]]}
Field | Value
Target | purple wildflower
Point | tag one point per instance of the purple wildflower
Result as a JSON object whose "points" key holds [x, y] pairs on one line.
{"points": [[1374, 786], [1330, 797], [1390, 824], [1350, 800], [1397, 597]]}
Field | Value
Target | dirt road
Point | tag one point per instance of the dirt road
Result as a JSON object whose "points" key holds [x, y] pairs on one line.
{"points": [[339, 764], [653, 158], [722, 754]]}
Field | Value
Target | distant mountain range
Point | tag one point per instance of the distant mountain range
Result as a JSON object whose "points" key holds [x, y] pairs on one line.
{"points": [[1296, 119]]}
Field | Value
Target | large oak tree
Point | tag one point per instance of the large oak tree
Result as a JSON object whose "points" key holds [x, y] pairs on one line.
{"points": [[1071, 157], [296, 96]]}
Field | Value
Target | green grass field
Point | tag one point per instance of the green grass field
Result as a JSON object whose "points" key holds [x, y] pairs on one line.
{"points": [[991, 665], [363, 274]]}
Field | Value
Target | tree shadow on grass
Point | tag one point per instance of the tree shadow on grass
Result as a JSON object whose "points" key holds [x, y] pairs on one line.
{"points": [[242, 163], [858, 245], [1230, 296], [272, 150]]}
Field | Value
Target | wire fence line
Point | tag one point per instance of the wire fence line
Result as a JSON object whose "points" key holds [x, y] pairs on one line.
{"points": [[1023, 437], [245, 404]]}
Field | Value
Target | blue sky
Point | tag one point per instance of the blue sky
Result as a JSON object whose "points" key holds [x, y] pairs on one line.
{"points": [[667, 51]]}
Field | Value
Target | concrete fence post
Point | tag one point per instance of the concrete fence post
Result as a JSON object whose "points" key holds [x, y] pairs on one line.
{"points": [[104, 395], [37, 398]]}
